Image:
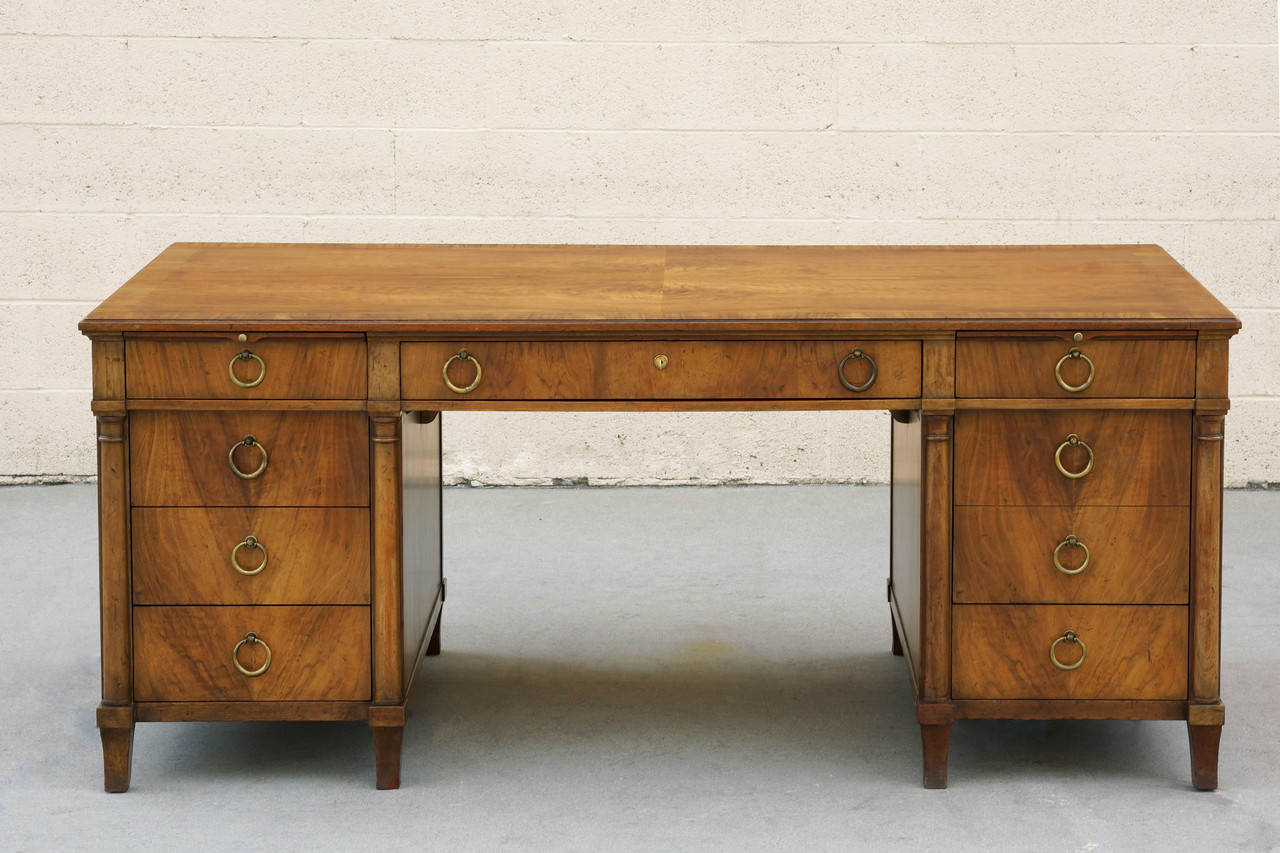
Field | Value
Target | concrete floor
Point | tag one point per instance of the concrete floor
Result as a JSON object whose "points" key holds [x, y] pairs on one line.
{"points": [[639, 669]]}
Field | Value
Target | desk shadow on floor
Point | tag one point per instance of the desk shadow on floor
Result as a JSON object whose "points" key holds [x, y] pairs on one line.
{"points": [[490, 719]]}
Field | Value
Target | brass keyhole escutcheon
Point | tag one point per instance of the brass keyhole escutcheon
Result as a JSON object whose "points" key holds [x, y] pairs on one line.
{"points": [[660, 362]]}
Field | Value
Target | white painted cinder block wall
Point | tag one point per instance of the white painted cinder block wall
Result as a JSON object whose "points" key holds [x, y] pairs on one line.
{"points": [[126, 125]]}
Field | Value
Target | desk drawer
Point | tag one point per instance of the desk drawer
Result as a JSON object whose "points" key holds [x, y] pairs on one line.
{"points": [[298, 555], [1051, 368], [311, 458], [268, 369], [1121, 555], [660, 370], [1130, 652], [184, 654], [1138, 458]]}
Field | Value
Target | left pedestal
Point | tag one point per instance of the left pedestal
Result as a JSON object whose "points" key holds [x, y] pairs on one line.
{"points": [[251, 500]]}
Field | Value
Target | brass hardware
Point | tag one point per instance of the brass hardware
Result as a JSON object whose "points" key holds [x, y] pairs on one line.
{"points": [[247, 441], [250, 542], [1070, 542], [660, 362], [242, 337], [247, 355], [251, 639], [857, 353], [1077, 337], [1057, 371], [1073, 440], [1068, 637], [462, 355]]}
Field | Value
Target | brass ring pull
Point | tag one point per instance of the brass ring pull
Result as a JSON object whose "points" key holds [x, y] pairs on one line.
{"points": [[857, 353], [247, 441], [1068, 637], [462, 355], [1073, 440], [249, 542], [251, 639], [1070, 542], [1057, 371], [246, 355]]}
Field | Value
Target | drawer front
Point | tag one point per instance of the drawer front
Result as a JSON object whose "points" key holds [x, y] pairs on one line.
{"points": [[1130, 652], [184, 654], [658, 370], [242, 555], [1139, 458], [1120, 555], [1051, 368], [312, 458], [269, 369]]}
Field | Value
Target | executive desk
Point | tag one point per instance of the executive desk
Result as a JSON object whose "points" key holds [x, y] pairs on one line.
{"points": [[269, 458]]}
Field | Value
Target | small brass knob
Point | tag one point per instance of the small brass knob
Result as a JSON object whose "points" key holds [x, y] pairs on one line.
{"points": [[660, 362]]}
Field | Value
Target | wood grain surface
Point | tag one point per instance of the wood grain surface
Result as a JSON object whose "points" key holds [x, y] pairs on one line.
{"points": [[290, 370], [1137, 555], [313, 555], [1007, 458], [906, 514], [313, 458], [317, 653], [621, 370], [1122, 368], [1001, 651], [559, 289]]}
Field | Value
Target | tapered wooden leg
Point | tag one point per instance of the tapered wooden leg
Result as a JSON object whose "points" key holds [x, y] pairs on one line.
{"points": [[937, 741], [1204, 756], [386, 748], [387, 722], [935, 736], [897, 641], [433, 645], [115, 725], [117, 759]]}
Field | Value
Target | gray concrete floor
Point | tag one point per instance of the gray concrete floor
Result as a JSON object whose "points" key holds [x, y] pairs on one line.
{"points": [[641, 669]]}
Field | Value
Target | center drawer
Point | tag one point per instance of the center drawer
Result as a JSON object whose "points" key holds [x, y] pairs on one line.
{"points": [[658, 370]]}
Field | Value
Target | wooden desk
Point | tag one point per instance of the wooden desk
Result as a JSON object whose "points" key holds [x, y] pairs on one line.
{"points": [[269, 514]]}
